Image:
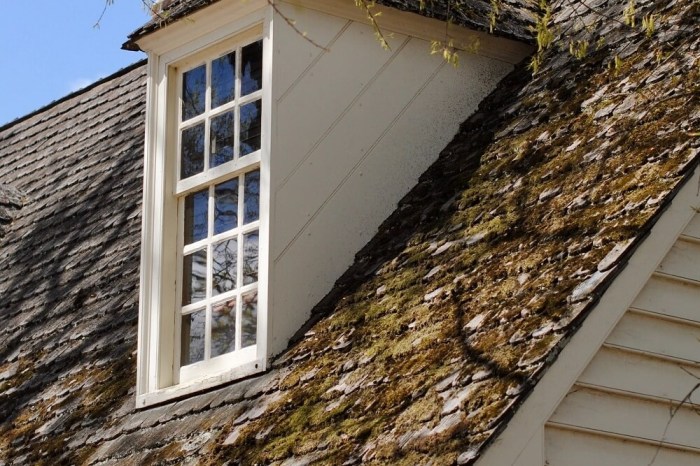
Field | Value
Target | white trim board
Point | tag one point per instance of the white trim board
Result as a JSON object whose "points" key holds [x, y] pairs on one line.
{"points": [[391, 20], [510, 446]]}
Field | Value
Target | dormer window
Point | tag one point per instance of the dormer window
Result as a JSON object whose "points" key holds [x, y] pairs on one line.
{"points": [[204, 268], [218, 190], [270, 162]]}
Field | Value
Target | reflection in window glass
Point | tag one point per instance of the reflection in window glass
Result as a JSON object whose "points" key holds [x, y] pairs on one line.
{"points": [[224, 266], [251, 115], [221, 119], [221, 137], [250, 258], [249, 326], [251, 68], [192, 151], [223, 79], [196, 206], [252, 197], [194, 87], [194, 277], [223, 327], [193, 340], [226, 206]]}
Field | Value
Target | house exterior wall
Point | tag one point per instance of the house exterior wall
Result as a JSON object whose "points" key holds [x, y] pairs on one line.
{"points": [[353, 128], [633, 404]]}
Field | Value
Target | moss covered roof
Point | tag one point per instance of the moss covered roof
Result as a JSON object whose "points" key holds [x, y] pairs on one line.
{"points": [[437, 333]]}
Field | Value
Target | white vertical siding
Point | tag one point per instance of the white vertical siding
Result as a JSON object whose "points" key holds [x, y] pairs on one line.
{"points": [[354, 126], [636, 403]]}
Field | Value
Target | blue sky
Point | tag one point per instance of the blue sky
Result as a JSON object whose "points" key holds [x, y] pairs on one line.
{"points": [[49, 48]]}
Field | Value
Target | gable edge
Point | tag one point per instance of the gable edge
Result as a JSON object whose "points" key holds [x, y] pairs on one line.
{"points": [[509, 445]]}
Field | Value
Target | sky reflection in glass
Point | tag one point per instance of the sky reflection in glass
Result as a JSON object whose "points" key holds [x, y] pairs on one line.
{"points": [[196, 210], [194, 88], [223, 79], [252, 197]]}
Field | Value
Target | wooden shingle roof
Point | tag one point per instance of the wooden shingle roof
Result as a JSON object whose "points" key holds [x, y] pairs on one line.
{"points": [[437, 333], [10, 202]]}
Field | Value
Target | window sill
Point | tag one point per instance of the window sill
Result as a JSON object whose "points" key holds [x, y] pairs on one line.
{"points": [[199, 385]]}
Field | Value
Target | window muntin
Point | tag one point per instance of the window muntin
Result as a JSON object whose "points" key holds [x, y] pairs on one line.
{"points": [[218, 188], [220, 111]]}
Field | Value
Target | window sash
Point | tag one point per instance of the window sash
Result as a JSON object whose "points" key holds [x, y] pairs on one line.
{"points": [[238, 167]]}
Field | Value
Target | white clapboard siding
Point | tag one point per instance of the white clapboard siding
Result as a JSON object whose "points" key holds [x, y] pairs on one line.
{"points": [[635, 373], [675, 298], [630, 417], [575, 448], [650, 334], [620, 409], [682, 260], [693, 228]]}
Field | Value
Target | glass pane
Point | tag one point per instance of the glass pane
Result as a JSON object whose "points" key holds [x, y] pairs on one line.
{"points": [[250, 258], [252, 197], [221, 150], [226, 206], [194, 277], [196, 207], [194, 87], [224, 266], [249, 324], [223, 79], [251, 68], [193, 328], [250, 127], [223, 328], [192, 152]]}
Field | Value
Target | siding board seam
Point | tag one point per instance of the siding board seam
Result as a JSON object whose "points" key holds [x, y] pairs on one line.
{"points": [[345, 111], [676, 278], [314, 62], [670, 403], [664, 317], [689, 239], [369, 151], [614, 435], [651, 354]]}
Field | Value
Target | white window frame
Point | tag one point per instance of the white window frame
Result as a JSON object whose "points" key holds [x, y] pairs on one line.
{"points": [[158, 356]]}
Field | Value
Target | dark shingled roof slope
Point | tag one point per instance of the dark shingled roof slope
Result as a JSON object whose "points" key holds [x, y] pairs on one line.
{"points": [[69, 267], [426, 345], [10, 202]]}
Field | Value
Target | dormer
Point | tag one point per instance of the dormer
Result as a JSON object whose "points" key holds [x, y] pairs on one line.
{"points": [[279, 136]]}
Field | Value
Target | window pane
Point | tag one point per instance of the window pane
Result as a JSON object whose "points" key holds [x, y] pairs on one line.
{"points": [[249, 324], [251, 68], [221, 150], [252, 197], [226, 206], [223, 328], [223, 79], [224, 266], [250, 127], [194, 277], [250, 258], [192, 155], [193, 328], [194, 87], [196, 207]]}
